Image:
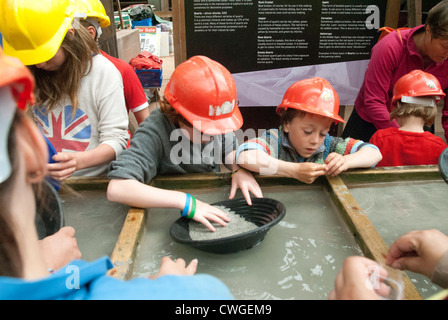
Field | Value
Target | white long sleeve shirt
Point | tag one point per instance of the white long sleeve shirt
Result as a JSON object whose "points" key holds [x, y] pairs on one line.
{"points": [[101, 117]]}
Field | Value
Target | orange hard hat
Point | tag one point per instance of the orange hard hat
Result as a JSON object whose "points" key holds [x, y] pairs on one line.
{"points": [[417, 83], [314, 95], [204, 92], [16, 83], [19, 78]]}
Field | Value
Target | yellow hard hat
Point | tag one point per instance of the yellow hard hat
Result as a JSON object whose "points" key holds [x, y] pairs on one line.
{"points": [[94, 8], [33, 30]]}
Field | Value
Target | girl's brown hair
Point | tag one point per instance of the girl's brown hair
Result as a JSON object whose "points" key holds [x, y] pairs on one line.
{"points": [[10, 260], [52, 86], [437, 20], [11, 264]]}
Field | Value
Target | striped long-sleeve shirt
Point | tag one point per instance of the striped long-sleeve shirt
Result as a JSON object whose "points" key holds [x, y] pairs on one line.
{"points": [[276, 144]]}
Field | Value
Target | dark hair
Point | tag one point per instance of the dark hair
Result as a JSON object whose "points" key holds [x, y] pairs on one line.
{"points": [[10, 260], [438, 20], [289, 114]]}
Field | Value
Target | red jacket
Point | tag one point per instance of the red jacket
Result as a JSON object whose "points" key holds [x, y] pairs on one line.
{"points": [[406, 148]]}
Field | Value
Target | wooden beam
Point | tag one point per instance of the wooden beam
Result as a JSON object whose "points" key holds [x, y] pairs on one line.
{"points": [[371, 243], [414, 13], [179, 36], [392, 13], [392, 174], [124, 253]]}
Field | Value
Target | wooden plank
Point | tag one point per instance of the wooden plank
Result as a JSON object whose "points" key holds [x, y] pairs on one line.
{"points": [[392, 13], [390, 174], [179, 36], [126, 246], [371, 243], [414, 13]]}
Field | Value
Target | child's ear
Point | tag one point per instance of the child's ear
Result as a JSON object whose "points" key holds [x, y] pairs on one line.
{"points": [[286, 127], [92, 31], [34, 149]]}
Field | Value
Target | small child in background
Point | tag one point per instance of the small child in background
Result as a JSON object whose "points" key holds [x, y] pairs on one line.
{"points": [[302, 148], [414, 105]]}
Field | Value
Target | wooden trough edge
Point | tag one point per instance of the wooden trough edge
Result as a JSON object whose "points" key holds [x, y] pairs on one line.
{"points": [[371, 243], [125, 249]]}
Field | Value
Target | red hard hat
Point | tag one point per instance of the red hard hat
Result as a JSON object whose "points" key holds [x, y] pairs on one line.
{"points": [[19, 78], [202, 90], [417, 83], [314, 95]]}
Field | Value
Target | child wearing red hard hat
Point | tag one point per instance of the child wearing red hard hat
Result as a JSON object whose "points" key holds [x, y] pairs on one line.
{"points": [[192, 132], [302, 148], [414, 105]]}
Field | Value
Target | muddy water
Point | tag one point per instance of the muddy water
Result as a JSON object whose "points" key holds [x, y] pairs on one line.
{"points": [[97, 221], [298, 259], [395, 209]]}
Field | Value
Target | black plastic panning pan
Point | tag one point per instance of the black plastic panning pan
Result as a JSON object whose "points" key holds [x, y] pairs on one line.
{"points": [[443, 164], [49, 213], [263, 212]]}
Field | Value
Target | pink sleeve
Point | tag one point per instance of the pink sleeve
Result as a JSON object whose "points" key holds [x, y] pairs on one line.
{"points": [[379, 75]]}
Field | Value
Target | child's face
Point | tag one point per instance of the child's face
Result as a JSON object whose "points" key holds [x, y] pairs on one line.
{"points": [[307, 134], [436, 48], [195, 135], [54, 63]]}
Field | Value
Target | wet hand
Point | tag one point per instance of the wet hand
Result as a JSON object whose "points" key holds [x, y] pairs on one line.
{"points": [[178, 267], [353, 282], [60, 248], [418, 251], [206, 213]]}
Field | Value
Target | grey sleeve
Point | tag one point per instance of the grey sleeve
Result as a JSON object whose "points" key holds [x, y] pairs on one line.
{"points": [[141, 161]]}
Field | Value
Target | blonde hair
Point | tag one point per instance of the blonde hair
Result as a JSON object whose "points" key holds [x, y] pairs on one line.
{"points": [[437, 20], [403, 110], [174, 116], [52, 86]]}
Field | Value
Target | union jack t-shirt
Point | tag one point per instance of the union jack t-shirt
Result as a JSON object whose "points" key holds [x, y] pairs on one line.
{"points": [[66, 131]]}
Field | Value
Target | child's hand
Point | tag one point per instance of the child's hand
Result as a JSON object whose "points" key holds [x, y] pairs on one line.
{"points": [[178, 267], [65, 166], [60, 248], [205, 212], [246, 182], [351, 281], [335, 164], [308, 171]]}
